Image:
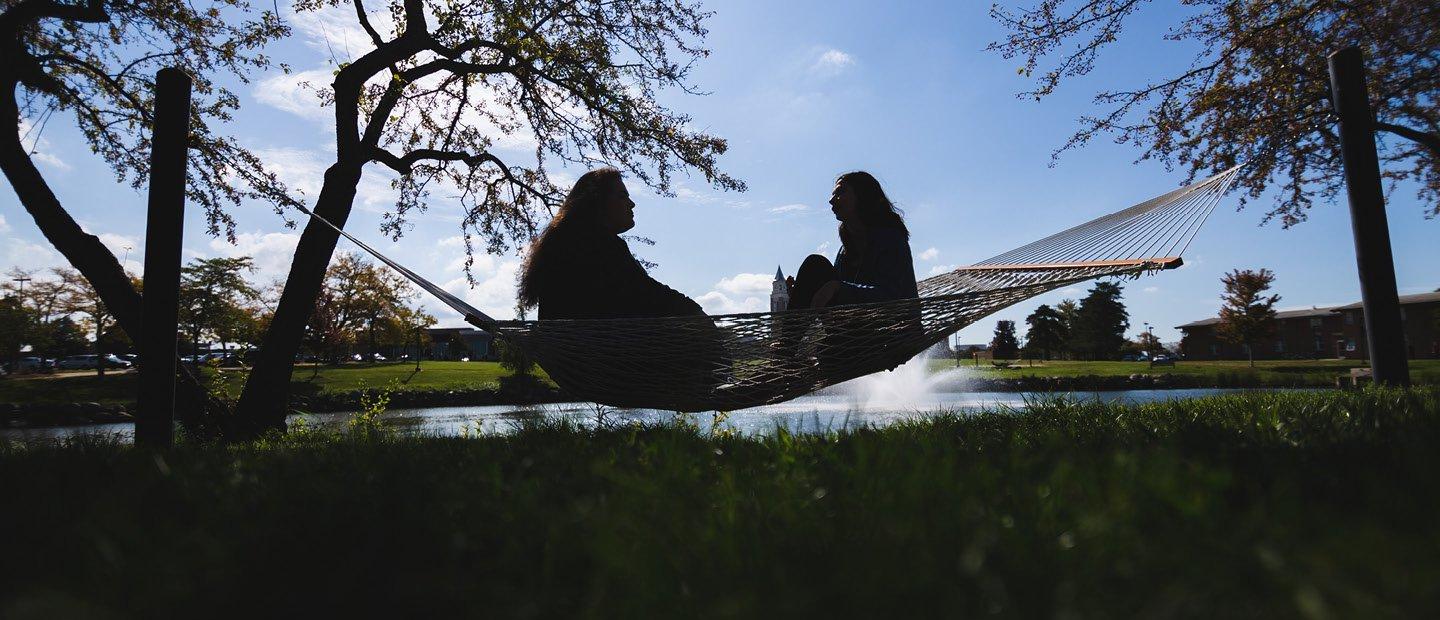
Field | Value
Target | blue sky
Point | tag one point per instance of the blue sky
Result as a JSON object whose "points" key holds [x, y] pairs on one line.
{"points": [[803, 91]]}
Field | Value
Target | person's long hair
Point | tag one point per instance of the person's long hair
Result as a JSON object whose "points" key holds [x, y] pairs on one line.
{"points": [[876, 210], [581, 210]]}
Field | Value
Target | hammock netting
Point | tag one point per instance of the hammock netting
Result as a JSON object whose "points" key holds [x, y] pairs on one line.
{"points": [[729, 362]]}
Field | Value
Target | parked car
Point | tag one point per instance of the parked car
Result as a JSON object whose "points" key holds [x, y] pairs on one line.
{"points": [[82, 362], [30, 364]]}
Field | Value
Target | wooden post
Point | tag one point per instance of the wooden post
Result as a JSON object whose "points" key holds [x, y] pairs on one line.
{"points": [[154, 423], [1383, 328]]}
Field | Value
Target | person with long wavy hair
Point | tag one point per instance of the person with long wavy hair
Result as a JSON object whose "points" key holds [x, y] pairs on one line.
{"points": [[580, 267], [874, 262]]}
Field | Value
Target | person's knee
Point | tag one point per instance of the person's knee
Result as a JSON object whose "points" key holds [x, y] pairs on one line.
{"points": [[814, 266], [815, 260]]}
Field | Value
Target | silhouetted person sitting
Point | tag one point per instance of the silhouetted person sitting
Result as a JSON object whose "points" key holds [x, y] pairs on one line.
{"points": [[873, 264], [580, 268]]}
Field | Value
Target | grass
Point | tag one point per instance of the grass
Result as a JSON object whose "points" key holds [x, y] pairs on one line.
{"points": [[1257, 505], [308, 380], [1266, 372]]}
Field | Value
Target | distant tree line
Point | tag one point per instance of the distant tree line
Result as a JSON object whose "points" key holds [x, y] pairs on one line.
{"points": [[57, 313], [1091, 329]]}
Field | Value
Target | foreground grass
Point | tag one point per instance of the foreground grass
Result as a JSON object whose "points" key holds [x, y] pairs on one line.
{"points": [[1259, 505], [1267, 372], [119, 388]]}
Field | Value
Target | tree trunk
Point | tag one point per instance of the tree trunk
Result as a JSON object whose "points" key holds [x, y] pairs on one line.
{"points": [[84, 251], [264, 402]]}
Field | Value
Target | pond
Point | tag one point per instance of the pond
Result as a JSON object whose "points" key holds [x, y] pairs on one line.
{"points": [[910, 392]]}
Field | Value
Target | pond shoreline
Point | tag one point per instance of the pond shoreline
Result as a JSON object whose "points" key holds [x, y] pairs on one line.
{"points": [[14, 415]]}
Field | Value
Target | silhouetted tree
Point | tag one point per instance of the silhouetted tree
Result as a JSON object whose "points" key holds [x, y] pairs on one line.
{"points": [[424, 100], [78, 297], [66, 337], [1149, 343], [1068, 310], [1047, 332], [1256, 90], [1004, 344], [217, 300], [1100, 323], [95, 61], [1247, 316], [15, 318]]}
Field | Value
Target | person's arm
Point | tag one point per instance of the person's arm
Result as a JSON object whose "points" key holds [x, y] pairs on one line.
{"points": [[642, 295]]}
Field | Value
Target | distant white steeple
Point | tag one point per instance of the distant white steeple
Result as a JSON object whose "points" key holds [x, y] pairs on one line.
{"points": [[779, 293]]}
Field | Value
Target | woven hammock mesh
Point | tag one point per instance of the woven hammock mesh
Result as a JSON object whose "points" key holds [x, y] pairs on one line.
{"points": [[729, 362]]}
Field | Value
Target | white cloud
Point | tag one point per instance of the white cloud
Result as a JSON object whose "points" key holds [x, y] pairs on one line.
{"points": [[929, 254], [334, 31], [790, 208], [685, 194], [26, 255], [272, 252], [820, 249], [38, 147], [831, 62], [742, 284], [742, 292], [4, 226], [301, 169], [716, 302], [1151, 289], [493, 293], [939, 269], [296, 93]]}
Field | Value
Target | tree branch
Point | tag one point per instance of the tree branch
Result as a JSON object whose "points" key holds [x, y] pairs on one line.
{"points": [[1428, 140]]}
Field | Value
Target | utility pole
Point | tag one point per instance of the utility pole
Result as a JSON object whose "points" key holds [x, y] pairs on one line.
{"points": [[1373, 258]]}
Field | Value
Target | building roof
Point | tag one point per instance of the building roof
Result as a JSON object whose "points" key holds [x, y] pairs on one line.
{"points": [[1418, 298], [779, 277], [1284, 314]]}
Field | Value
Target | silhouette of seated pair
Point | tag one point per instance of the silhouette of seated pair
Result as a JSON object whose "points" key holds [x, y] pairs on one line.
{"points": [[580, 268]]}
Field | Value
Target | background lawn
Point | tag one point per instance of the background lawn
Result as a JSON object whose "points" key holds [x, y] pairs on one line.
{"points": [[1280, 372], [306, 380]]}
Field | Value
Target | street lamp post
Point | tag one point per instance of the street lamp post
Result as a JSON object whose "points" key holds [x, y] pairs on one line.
{"points": [[20, 299]]}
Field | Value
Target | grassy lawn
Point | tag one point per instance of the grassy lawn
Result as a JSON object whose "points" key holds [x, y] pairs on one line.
{"points": [[1321, 372], [1255, 505], [120, 388]]}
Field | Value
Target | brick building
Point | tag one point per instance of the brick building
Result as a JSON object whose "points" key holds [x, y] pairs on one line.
{"points": [[1314, 333], [1418, 315]]}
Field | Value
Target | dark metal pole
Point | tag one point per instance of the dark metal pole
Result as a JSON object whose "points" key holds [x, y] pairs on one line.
{"points": [[154, 423], [1383, 329]]}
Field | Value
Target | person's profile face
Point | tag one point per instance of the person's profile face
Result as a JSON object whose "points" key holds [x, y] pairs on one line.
{"points": [[843, 203], [619, 210]]}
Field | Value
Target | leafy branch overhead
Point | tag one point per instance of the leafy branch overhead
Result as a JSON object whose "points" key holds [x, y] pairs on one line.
{"points": [[444, 80], [1256, 89], [96, 60]]}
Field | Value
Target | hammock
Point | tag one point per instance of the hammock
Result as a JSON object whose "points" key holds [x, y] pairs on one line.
{"points": [[734, 361]]}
